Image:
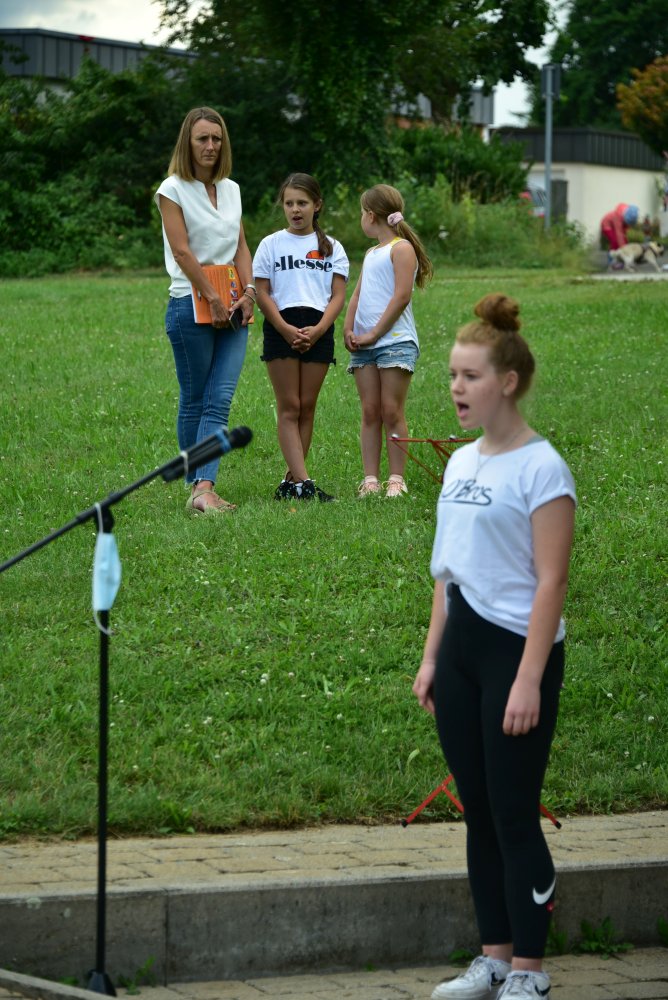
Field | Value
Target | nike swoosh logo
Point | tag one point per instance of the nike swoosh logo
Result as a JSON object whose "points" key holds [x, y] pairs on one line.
{"points": [[542, 897]]}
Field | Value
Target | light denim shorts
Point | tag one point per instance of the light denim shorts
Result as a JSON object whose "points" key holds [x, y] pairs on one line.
{"points": [[401, 355]]}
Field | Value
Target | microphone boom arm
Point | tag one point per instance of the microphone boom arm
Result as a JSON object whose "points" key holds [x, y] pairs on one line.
{"points": [[210, 447]]}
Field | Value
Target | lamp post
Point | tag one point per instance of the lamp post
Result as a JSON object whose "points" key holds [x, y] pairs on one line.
{"points": [[550, 82]]}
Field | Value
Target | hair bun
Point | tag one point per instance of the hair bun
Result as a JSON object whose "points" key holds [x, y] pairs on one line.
{"points": [[499, 311]]}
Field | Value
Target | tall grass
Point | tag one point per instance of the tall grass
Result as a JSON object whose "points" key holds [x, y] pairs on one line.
{"points": [[261, 664], [460, 232]]}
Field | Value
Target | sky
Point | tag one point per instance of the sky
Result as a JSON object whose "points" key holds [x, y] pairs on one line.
{"points": [[137, 21]]}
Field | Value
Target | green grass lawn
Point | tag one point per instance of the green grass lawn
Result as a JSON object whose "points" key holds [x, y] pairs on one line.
{"points": [[261, 664]]}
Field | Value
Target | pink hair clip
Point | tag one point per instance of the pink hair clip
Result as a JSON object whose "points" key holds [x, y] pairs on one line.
{"points": [[395, 218]]}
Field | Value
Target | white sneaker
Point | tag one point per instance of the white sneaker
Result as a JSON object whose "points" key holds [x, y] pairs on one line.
{"points": [[481, 981], [526, 986]]}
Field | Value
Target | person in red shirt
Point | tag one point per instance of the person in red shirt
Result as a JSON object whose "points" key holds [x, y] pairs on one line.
{"points": [[615, 224]]}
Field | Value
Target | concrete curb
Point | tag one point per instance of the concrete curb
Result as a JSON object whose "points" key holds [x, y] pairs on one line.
{"points": [[275, 904], [42, 989], [215, 934]]}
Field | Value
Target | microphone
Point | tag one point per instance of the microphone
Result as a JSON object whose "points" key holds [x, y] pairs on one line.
{"points": [[210, 447]]}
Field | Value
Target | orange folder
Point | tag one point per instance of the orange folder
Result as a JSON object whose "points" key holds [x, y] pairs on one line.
{"points": [[225, 280]]}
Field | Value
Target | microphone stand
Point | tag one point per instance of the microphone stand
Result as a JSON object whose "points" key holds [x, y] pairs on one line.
{"points": [[210, 447], [99, 981]]}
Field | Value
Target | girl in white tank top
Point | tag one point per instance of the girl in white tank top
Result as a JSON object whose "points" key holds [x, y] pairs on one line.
{"points": [[379, 332]]}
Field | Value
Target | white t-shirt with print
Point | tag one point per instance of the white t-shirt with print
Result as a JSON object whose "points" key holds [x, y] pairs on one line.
{"points": [[483, 539], [298, 273], [213, 233]]}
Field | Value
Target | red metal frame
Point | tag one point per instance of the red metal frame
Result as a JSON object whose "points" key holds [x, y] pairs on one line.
{"points": [[443, 787], [443, 447]]}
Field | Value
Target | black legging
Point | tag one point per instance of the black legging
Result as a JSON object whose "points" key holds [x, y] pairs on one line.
{"points": [[498, 777]]}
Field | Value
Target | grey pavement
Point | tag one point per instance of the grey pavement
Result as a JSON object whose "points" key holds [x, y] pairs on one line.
{"points": [[631, 276], [329, 912], [643, 272], [634, 975]]}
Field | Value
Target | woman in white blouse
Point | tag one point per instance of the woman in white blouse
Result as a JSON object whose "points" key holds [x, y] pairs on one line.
{"points": [[201, 223]]}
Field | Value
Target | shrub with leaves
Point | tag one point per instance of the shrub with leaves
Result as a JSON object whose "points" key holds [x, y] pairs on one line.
{"points": [[600, 940]]}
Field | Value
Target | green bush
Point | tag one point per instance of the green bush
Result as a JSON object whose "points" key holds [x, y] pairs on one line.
{"points": [[462, 232], [68, 225], [485, 171], [80, 171]]}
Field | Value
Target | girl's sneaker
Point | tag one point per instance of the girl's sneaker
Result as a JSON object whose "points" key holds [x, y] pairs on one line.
{"points": [[368, 486], [526, 986], [286, 490], [395, 486], [324, 497], [481, 981], [309, 491]]}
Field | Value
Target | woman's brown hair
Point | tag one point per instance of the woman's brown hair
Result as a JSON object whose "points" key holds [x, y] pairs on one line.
{"points": [[181, 162]]}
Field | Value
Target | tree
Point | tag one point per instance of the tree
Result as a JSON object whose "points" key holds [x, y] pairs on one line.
{"points": [[78, 170], [643, 104], [483, 171], [467, 40], [600, 44], [115, 131], [330, 64], [340, 68]]}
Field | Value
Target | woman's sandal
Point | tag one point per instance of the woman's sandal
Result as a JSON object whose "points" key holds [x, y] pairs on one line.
{"points": [[222, 507]]}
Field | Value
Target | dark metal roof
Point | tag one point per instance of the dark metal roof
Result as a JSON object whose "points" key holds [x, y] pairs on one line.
{"points": [[55, 55], [585, 145]]}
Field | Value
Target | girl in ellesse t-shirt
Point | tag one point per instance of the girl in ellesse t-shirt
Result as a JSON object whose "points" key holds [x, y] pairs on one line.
{"points": [[301, 276]]}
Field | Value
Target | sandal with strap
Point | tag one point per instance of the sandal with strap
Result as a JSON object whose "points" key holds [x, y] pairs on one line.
{"points": [[395, 486], [222, 507], [368, 486]]}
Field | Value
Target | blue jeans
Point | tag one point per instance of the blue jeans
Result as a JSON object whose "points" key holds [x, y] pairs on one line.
{"points": [[208, 365]]}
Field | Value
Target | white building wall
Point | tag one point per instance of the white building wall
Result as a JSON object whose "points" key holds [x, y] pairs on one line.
{"points": [[593, 190]]}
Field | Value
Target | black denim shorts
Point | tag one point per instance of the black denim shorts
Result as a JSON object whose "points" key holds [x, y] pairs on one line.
{"points": [[275, 346]]}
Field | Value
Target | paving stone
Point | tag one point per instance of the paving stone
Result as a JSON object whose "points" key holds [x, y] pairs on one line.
{"points": [[305, 870]]}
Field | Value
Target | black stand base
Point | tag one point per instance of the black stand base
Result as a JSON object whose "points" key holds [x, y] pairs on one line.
{"points": [[100, 982]]}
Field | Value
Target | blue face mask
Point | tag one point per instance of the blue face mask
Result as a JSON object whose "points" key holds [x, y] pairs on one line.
{"points": [[106, 572]]}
